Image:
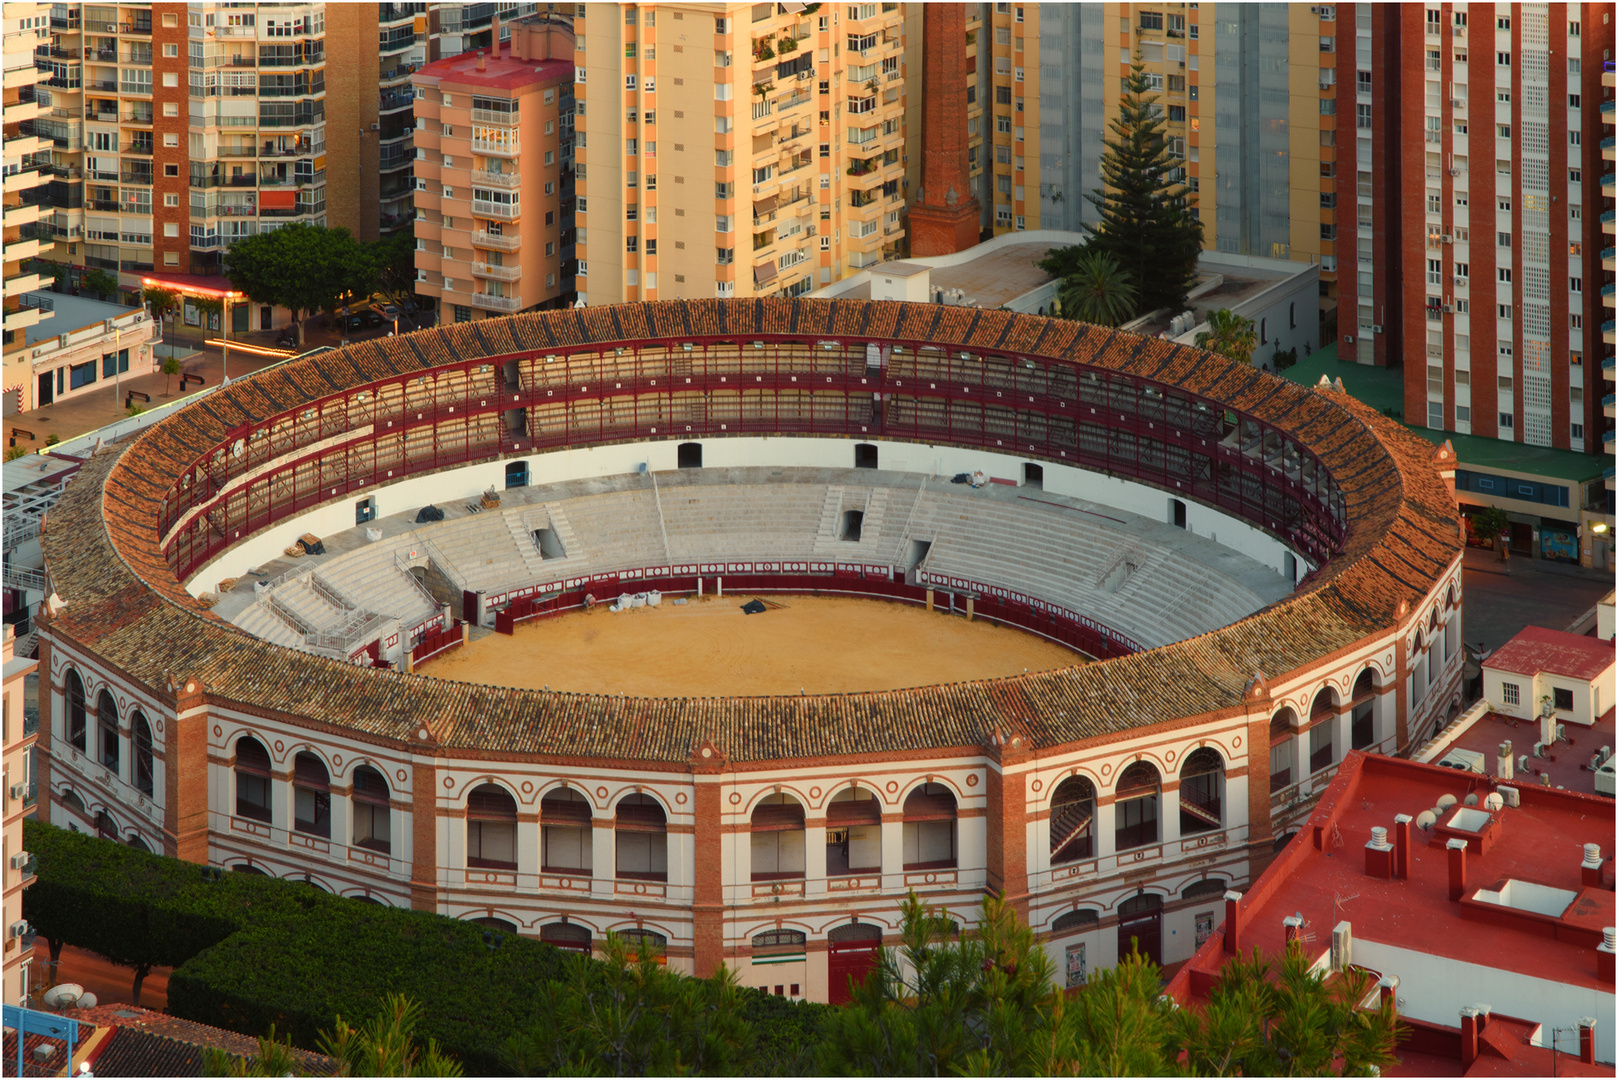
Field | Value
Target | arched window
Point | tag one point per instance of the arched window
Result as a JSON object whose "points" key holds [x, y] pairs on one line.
{"points": [[252, 779], [107, 732], [780, 942], [248, 868], [853, 833], [852, 932], [1202, 791], [1323, 731], [491, 828], [1073, 812], [1282, 743], [373, 824], [1208, 887], [1362, 723], [73, 690], [137, 843], [777, 829], [311, 795], [929, 828], [1077, 922], [569, 937], [565, 834], [142, 737], [106, 828], [644, 942], [499, 925], [1135, 807], [642, 839], [70, 799]]}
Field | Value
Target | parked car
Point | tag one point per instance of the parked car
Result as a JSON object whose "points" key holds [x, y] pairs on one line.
{"points": [[391, 311], [371, 317]]}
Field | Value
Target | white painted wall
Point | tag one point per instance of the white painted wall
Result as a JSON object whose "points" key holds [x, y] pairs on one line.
{"points": [[573, 464], [1434, 988], [1590, 699]]}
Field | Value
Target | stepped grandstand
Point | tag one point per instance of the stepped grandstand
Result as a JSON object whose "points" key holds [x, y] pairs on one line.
{"points": [[1265, 576]]}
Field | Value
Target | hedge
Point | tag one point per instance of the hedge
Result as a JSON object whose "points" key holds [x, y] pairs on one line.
{"points": [[250, 951]]}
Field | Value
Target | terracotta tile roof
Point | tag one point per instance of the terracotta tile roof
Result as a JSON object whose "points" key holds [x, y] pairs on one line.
{"points": [[1555, 652], [148, 1043], [101, 543]]}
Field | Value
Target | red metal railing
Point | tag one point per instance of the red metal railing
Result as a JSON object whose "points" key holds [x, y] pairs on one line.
{"points": [[455, 414]]}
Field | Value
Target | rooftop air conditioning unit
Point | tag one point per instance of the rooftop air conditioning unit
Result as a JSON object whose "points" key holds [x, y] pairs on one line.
{"points": [[1348, 339], [1377, 329], [1448, 308], [1454, 171], [20, 860], [19, 928], [1447, 238], [106, 326], [1510, 794]]}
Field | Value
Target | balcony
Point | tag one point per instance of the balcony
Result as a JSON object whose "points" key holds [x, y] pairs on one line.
{"points": [[504, 211], [496, 242], [491, 302], [498, 273], [507, 148], [496, 179]]}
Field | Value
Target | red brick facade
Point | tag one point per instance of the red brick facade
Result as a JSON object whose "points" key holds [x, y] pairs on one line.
{"points": [[945, 218]]}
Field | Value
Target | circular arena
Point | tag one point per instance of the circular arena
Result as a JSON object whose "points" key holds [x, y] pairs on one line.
{"points": [[1244, 580]]}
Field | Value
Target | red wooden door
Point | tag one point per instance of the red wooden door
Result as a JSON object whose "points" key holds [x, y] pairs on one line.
{"points": [[849, 963]]}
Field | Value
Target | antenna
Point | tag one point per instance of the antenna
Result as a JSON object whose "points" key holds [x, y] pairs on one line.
{"points": [[1337, 901]]}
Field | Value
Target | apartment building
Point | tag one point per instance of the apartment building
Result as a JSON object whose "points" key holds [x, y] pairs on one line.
{"points": [[456, 28], [17, 798], [780, 155], [176, 128], [493, 172], [25, 156], [1514, 217]]}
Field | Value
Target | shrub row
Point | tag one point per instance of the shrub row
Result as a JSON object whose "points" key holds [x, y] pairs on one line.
{"points": [[251, 951]]}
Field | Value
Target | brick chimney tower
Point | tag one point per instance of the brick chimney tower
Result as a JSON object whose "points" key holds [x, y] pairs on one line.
{"points": [[944, 218]]}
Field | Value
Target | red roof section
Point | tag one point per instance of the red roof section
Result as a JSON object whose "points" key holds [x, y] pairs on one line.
{"points": [[1537, 649], [501, 70], [1540, 841]]}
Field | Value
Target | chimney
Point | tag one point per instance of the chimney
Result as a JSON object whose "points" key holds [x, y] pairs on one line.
{"points": [[1457, 868], [1401, 846], [1473, 1020], [482, 66], [1504, 766], [1293, 927], [1587, 1039], [1233, 923], [1591, 866], [519, 41], [494, 36], [1604, 954], [1387, 990], [1379, 854]]}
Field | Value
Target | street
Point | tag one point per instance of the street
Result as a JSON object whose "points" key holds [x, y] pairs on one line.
{"points": [[1502, 598]]}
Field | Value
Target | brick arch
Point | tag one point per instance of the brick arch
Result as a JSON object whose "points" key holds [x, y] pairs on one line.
{"points": [[906, 787], [476, 782], [751, 804]]}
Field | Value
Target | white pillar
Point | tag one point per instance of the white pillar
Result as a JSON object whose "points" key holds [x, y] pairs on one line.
{"points": [[893, 854], [1168, 815], [814, 860], [603, 854], [1106, 829]]}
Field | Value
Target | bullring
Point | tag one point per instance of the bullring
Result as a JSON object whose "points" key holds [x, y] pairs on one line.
{"points": [[1109, 801]]}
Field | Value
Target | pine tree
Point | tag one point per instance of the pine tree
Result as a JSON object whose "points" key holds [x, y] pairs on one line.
{"points": [[1149, 223]]}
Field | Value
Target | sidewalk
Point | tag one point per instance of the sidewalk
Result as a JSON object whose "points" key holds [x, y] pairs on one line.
{"points": [[1481, 561]]}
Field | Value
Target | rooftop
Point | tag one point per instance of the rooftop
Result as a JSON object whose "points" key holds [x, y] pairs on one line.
{"points": [[990, 280], [72, 313], [1384, 390], [148, 1043], [1225, 288], [1567, 766], [1521, 938], [500, 70], [1556, 652]]}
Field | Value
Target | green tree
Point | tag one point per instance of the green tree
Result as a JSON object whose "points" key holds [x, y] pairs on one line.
{"points": [[394, 258], [1149, 221], [171, 368], [1490, 523], [99, 282], [387, 1046], [1229, 334], [630, 1016], [1098, 291], [303, 268], [986, 1004], [1120, 1022], [163, 302], [1286, 1020]]}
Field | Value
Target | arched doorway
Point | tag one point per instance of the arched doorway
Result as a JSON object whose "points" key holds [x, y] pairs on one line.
{"points": [[851, 954], [1140, 923]]}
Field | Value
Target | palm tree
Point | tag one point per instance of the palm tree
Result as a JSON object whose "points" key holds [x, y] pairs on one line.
{"points": [[1229, 334], [1098, 291]]}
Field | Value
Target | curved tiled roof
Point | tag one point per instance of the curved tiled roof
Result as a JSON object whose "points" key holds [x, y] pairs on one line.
{"points": [[124, 603]]}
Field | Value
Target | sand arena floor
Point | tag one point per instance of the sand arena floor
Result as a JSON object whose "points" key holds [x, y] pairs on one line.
{"points": [[709, 647]]}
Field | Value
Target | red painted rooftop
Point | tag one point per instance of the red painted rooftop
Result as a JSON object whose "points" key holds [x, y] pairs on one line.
{"points": [[501, 70], [1567, 764], [1536, 649], [1322, 875]]}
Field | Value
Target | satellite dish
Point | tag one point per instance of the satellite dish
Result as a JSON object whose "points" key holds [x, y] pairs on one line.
{"points": [[1426, 819], [63, 995], [87, 1000], [1470, 800], [1446, 801], [1493, 802]]}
